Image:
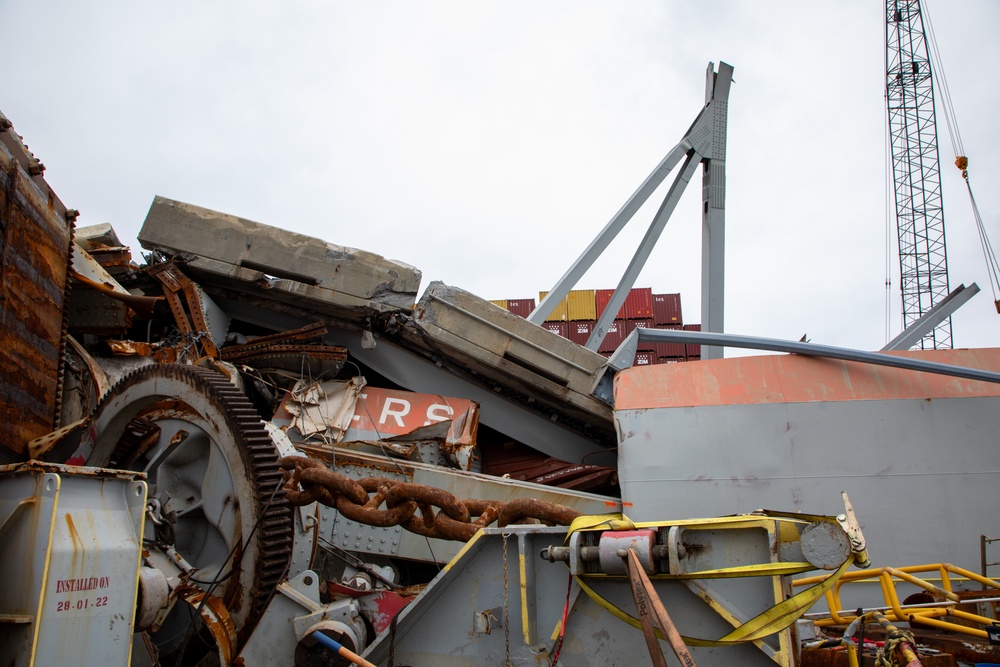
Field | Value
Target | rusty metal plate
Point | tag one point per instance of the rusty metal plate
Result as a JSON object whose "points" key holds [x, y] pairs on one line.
{"points": [[35, 238]]}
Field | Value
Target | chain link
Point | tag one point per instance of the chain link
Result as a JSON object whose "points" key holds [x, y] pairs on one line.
{"points": [[309, 480]]}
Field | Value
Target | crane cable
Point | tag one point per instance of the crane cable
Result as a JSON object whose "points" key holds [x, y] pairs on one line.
{"points": [[961, 161]]}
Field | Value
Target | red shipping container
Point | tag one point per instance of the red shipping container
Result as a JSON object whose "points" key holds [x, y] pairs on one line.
{"points": [[521, 307], [579, 332], [667, 309], [558, 328], [601, 299], [619, 330], [645, 358], [638, 303], [631, 325], [693, 350], [615, 336], [670, 350]]}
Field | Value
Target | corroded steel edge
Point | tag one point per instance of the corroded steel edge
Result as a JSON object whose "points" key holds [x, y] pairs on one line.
{"points": [[33, 210]]}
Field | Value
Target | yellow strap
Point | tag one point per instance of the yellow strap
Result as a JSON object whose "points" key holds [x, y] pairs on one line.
{"points": [[775, 619], [754, 570], [614, 521]]}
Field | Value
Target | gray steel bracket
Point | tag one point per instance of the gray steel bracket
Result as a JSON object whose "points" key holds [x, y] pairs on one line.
{"points": [[703, 143]]}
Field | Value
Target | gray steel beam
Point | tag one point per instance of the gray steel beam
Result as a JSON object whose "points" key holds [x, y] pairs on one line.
{"points": [[713, 235], [913, 334], [705, 139], [642, 252], [608, 234]]}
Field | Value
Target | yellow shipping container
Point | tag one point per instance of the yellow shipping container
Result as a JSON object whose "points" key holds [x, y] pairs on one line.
{"points": [[558, 314], [582, 305], [579, 304], [500, 302]]}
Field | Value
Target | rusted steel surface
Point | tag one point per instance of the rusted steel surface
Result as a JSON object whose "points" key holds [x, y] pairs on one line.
{"points": [[35, 239], [216, 618], [525, 464], [191, 323], [832, 657], [954, 649], [309, 332], [112, 258], [318, 352], [797, 379], [140, 304], [309, 481]]}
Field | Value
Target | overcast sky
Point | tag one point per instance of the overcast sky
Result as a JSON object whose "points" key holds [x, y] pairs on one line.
{"points": [[486, 143]]}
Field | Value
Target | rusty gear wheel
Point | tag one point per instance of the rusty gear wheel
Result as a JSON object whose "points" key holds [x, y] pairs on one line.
{"points": [[212, 468]]}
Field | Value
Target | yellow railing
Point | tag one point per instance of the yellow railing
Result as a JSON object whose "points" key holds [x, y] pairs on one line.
{"points": [[922, 614]]}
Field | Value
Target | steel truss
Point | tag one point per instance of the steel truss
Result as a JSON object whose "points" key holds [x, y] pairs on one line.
{"points": [[923, 259]]}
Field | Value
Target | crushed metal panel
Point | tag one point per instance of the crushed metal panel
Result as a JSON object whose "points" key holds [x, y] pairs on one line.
{"points": [[510, 350], [322, 409], [381, 412], [352, 413], [92, 307], [279, 264], [35, 238]]}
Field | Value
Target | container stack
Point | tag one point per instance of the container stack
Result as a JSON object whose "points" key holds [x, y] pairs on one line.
{"points": [[576, 317]]}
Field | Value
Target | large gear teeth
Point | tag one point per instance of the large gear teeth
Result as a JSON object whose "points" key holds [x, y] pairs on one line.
{"points": [[125, 424]]}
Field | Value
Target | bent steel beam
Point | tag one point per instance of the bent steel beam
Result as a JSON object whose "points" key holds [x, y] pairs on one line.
{"points": [[624, 355], [912, 334]]}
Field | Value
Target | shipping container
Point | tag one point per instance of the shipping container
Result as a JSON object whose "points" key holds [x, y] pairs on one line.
{"points": [[521, 307], [579, 332], [614, 338], [631, 325], [693, 350], [559, 313], [667, 309], [499, 302], [671, 350], [645, 358], [581, 305], [601, 299], [638, 303], [558, 328]]}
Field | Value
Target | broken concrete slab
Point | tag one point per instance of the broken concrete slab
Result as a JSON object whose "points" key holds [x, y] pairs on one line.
{"points": [[499, 345], [97, 236], [240, 254]]}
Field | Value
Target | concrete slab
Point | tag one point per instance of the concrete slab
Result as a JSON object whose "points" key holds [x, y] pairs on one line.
{"points": [[510, 350], [310, 271]]}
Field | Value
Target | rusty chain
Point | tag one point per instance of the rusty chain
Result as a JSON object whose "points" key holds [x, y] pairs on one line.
{"points": [[309, 480]]}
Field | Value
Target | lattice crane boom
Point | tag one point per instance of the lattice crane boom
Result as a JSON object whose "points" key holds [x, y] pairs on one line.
{"points": [[923, 257]]}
